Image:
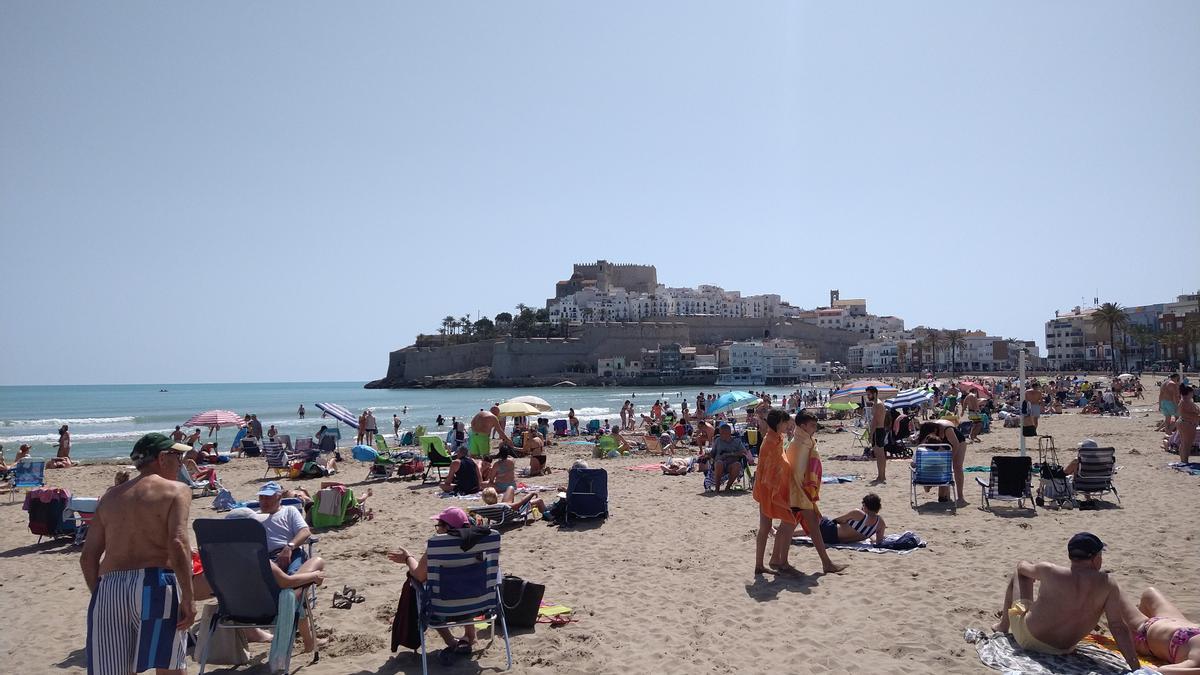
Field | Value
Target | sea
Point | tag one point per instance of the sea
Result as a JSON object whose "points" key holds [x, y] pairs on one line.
{"points": [[106, 420]]}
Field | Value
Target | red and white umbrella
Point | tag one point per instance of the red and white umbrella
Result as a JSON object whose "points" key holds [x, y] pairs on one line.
{"points": [[215, 419], [967, 386]]}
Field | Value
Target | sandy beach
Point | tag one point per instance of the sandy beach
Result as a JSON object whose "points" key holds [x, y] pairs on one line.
{"points": [[666, 583]]}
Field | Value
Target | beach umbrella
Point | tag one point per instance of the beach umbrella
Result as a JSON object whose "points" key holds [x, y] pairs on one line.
{"points": [[842, 406], [979, 389], [535, 401], [731, 400], [858, 389], [909, 398], [339, 413], [215, 419], [517, 409], [1125, 376]]}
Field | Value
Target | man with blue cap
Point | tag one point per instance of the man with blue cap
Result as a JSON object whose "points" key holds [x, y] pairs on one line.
{"points": [[286, 530]]}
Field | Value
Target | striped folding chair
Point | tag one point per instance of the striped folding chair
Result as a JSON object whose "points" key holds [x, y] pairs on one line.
{"points": [[463, 588], [277, 458], [933, 466], [502, 515], [1095, 473]]}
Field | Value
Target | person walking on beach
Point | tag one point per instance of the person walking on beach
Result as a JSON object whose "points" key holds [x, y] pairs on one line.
{"points": [[300, 411], [877, 428], [804, 490], [396, 426], [177, 435], [1189, 417], [137, 552], [772, 491], [1168, 402], [362, 427], [1069, 602]]}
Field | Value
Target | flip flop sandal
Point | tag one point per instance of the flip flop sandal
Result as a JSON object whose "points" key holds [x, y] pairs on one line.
{"points": [[561, 620], [356, 599], [340, 601], [348, 592]]}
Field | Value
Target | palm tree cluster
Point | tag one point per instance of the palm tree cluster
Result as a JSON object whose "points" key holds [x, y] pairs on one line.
{"points": [[527, 322]]}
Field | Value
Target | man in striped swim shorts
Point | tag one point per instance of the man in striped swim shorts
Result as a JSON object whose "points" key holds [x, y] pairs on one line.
{"points": [[137, 563]]}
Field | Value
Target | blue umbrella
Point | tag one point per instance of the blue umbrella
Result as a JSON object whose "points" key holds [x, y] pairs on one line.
{"points": [[909, 398], [339, 413], [730, 401]]}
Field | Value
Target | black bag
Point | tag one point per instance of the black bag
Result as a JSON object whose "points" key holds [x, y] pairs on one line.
{"points": [[521, 601]]}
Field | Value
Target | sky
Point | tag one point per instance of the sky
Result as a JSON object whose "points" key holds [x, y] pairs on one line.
{"points": [[267, 191]]}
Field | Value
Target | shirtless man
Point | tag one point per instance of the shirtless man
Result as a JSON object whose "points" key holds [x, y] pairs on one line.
{"points": [[479, 440], [971, 406], [1163, 632], [1189, 417], [1069, 602], [177, 435], [877, 416], [1031, 410], [1168, 402], [140, 529]]}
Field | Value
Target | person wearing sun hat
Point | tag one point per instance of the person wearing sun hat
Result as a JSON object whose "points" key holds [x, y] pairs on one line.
{"points": [[452, 521], [137, 564], [1069, 602]]}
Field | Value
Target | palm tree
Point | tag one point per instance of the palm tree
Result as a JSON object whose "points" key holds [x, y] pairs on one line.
{"points": [[1112, 316], [465, 322], [936, 339], [448, 324], [954, 340], [1143, 336]]}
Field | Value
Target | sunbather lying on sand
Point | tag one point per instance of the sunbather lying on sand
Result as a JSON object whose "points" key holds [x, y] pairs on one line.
{"points": [[1162, 631], [1069, 602]]}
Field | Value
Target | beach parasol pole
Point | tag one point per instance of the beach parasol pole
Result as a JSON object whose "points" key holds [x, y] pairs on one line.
{"points": [[1021, 388]]}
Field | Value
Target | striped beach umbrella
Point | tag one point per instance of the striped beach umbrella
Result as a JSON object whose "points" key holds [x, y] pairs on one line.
{"points": [[339, 413], [910, 398], [215, 419], [858, 389]]}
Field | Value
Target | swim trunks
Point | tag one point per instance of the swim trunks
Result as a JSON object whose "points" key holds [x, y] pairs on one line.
{"points": [[829, 531], [880, 438], [1168, 408], [479, 444], [1020, 632], [131, 623]]}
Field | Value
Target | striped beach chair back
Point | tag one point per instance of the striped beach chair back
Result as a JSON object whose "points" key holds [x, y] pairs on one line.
{"points": [[462, 583], [933, 466], [1095, 473], [276, 456]]}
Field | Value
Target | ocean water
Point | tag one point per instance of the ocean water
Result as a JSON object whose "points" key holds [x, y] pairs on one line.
{"points": [[106, 420]]}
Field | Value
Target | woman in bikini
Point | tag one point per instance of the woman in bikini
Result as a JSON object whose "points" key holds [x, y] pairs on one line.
{"points": [[503, 474], [857, 525], [1164, 632], [771, 490]]}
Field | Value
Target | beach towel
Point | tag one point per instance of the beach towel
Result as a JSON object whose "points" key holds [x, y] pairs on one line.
{"points": [[1000, 652], [904, 544], [284, 634], [329, 502], [646, 467], [1191, 468], [827, 480], [860, 458]]}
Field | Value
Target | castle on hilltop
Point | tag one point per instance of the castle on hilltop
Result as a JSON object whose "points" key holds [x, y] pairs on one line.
{"points": [[604, 276]]}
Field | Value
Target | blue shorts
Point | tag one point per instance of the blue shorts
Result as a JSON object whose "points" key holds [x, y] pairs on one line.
{"points": [[298, 558], [131, 623]]}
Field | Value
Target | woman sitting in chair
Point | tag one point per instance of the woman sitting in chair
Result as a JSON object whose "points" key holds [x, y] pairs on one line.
{"points": [[450, 521], [198, 475], [856, 525]]}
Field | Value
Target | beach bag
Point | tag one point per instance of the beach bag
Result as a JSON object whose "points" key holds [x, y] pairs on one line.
{"points": [[411, 467], [224, 501], [521, 601], [228, 647], [405, 632]]}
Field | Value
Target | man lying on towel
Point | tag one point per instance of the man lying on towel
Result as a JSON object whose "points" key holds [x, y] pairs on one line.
{"points": [[1069, 602]]}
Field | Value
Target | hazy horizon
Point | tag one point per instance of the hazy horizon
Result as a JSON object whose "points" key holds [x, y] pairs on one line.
{"points": [[228, 193]]}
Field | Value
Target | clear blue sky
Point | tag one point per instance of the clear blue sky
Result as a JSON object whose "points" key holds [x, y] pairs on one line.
{"points": [[231, 191]]}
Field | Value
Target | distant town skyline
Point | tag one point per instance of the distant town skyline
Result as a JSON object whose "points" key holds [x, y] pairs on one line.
{"points": [[292, 195]]}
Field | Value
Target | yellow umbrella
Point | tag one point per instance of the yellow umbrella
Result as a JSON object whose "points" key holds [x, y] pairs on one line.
{"points": [[517, 409]]}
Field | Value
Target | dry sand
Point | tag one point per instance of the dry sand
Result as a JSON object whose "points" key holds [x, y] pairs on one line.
{"points": [[666, 584]]}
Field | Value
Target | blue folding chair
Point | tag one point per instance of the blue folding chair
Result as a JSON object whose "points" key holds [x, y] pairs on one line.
{"points": [[933, 466], [462, 588], [238, 568], [587, 494], [28, 473]]}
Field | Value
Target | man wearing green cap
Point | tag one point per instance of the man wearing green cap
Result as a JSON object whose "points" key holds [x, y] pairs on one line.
{"points": [[138, 566]]}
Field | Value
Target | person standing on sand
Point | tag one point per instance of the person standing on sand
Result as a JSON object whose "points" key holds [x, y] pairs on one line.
{"points": [[804, 490], [1069, 602], [971, 407], [396, 426], [137, 552], [877, 428], [1031, 410], [772, 491], [479, 440], [1189, 417], [1168, 402]]}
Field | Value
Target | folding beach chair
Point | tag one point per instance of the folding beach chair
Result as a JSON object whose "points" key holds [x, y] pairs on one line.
{"points": [[328, 442], [587, 494], [237, 567], [1010, 480], [251, 447], [435, 449], [304, 447], [206, 489], [28, 473], [81, 510], [286, 439], [381, 444], [933, 466], [503, 515], [277, 458], [560, 427], [463, 588], [1095, 473], [593, 426], [48, 515]]}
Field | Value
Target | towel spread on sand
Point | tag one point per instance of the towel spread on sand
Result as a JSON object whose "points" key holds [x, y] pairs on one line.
{"points": [[999, 652], [827, 480], [903, 544], [646, 467], [1191, 468], [858, 458]]}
